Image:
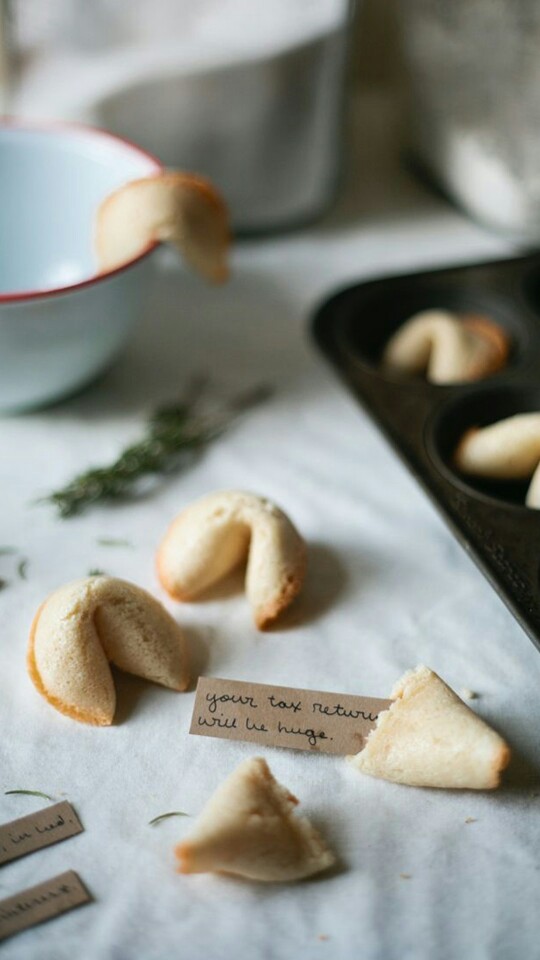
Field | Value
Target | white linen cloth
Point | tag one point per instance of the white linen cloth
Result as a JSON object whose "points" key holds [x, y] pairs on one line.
{"points": [[388, 588]]}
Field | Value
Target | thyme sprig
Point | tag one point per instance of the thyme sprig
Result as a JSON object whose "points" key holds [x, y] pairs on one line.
{"points": [[174, 431], [165, 816], [29, 793]]}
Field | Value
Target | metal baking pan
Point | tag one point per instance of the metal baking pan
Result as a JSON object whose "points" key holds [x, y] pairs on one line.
{"points": [[424, 422]]}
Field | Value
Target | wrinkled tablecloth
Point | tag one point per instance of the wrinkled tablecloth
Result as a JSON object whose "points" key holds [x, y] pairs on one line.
{"points": [[388, 588]]}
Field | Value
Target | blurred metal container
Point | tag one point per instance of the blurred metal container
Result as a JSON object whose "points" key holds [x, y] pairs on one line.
{"points": [[249, 95], [473, 70], [267, 132], [5, 55]]}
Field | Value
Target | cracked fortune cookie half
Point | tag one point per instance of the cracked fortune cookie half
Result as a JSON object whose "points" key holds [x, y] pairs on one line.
{"points": [[429, 738], [248, 828], [86, 625]]}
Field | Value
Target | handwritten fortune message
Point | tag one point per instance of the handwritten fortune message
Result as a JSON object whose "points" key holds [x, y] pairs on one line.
{"points": [[284, 716], [36, 904], [38, 830]]}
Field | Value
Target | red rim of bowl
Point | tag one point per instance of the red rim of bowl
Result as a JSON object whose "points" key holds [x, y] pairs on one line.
{"points": [[73, 127]]}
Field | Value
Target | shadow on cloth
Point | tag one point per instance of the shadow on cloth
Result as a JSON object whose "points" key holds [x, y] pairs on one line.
{"points": [[326, 579]]}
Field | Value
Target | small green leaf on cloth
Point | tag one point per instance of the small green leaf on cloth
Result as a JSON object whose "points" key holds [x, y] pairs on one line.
{"points": [[165, 816], [111, 542], [29, 793], [174, 433]]}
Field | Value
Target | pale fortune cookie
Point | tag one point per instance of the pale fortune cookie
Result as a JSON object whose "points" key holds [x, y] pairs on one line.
{"points": [[217, 533], [429, 738], [175, 207], [248, 828], [447, 347], [506, 450], [85, 625]]}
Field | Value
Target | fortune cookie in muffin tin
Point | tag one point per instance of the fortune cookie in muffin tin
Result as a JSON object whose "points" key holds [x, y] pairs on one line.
{"points": [[447, 347], [426, 422], [507, 449]]}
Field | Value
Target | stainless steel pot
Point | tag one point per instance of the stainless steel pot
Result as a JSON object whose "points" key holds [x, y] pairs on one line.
{"points": [[261, 117]]}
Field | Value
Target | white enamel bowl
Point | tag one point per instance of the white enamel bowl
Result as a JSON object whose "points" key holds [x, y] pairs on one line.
{"points": [[60, 322]]}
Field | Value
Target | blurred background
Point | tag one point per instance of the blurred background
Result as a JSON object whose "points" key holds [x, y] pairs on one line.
{"points": [[255, 95]]}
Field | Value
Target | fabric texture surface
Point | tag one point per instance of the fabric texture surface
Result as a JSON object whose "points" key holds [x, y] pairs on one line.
{"points": [[422, 873]]}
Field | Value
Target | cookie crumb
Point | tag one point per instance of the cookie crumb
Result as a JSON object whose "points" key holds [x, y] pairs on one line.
{"points": [[406, 876], [467, 694], [323, 936], [470, 820]]}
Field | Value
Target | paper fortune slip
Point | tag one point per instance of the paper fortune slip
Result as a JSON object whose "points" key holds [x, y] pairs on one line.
{"points": [[42, 902], [284, 716], [38, 830]]}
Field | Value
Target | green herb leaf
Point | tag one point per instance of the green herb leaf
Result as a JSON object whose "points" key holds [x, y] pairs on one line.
{"points": [[6, 551], [165, 816], [21, 569], [174, 434], [96, 573], [110, 542], [3, 583], [30, 793]]}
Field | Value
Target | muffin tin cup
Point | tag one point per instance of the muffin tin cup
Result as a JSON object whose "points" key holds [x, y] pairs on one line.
{"points": [[424, 422]]}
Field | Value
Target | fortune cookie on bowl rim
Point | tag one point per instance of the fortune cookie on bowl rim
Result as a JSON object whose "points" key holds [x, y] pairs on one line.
{"points": [[174, 207]]}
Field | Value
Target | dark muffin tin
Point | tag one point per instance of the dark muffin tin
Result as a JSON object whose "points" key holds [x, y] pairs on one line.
{"points": [[424, 422]]}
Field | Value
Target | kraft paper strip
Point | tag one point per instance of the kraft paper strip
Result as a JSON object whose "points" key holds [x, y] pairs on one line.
{"points": [[42, 902], [38, 830], [336, 723]]}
